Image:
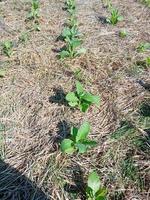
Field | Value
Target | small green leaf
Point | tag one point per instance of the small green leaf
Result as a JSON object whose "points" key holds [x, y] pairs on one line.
{"points": [[89, 143], [81, 147], [66, 32], [94, 182], [74, 132], [67, 146], [84, 106], [81, 51], [79, 87], [73, 104], [120, 18], [64, 54], [101, 194], [83, 132], [91, 98], [71, 97]]}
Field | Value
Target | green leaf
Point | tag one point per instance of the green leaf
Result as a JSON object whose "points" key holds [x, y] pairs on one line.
{"points": [[73, 104], [81, 147], [101, 194], [81, 51], [66, 32], [79, 87], [71, 97], [91, 98], [67, 146], [74, 132], [75, 43], [2, 73], [84, 106], [90, 143], [94, 182], [83, 132], [64, 54]]}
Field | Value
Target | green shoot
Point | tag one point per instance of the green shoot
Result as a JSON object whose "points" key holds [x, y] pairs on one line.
{"points": [[34, 13], [23, 37], [7, 48], [147, 61], [115, 16], [70, 6], [94, 191], [143, 47], [78, 140], [82, 99], [123, 33]]}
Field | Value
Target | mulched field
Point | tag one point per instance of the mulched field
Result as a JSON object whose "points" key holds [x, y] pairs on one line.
{"points": [[34, 116]]}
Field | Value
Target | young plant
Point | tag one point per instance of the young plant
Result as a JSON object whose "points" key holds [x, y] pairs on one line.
{"points": [[94, 191], [82, 99], [123, 33], [78, 141], [115, 16], [70, 6], [143, 47], [147, 62], [34, 13], [7, 48]]}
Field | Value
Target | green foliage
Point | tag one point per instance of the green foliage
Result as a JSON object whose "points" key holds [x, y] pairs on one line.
{"points": [[146, 2], [78, 140], [70, 6], [23, 37], [94, 191], [34, 13], [115, 16], [143, 47], [7, 48], [123, 33], [82, 99], [147, 61]]}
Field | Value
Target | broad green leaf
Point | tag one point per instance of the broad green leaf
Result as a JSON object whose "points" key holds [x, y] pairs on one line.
{"points": [[64, 54], [90, 143], [2, 73], [91, 98], [101, 194], [66, 32], [75, 43], [73, 104], [71, 97], [83, 132], [84, 106], [79, 87], [94, 182], [81, 147], [67, 146]]}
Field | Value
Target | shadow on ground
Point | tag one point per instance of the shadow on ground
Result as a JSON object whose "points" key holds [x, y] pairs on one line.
{"points": [[15, 186], [59, 97]]}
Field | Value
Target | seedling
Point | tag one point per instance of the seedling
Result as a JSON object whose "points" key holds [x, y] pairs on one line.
{"points": [[143, 47], [123, 33], [7, 48], [115, 16], [70, 4], [146, 2], [78, 141], [147, 61], [94, 191], [34, 13], [82, 99], [23, 37]]}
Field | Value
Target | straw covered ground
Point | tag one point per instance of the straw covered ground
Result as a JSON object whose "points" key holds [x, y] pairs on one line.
{"points": [[34, 116]]}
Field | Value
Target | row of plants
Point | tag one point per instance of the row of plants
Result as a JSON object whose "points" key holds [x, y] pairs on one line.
{"points": [[70, 34], [78, 142]]}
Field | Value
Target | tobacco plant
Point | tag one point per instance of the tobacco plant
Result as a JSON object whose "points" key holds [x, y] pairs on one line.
{"points": [[7, 48], [78, 141], [34, 13], [94, 191], [82, 99], [115, 16]]}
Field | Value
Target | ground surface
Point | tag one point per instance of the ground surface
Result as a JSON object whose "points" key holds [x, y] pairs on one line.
{"points": [[34, 113]]}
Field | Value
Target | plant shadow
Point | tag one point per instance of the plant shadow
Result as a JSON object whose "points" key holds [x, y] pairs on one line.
{"points": [[102, 19], [15, 186], [59, 97], [79, 187]]}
